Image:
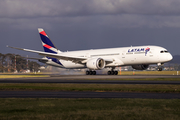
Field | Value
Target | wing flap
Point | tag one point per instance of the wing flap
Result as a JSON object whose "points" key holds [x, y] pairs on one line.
{"points": [[44, 60]]}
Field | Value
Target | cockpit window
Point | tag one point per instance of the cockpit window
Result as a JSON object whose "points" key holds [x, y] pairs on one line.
{"points": [[164, 51]]}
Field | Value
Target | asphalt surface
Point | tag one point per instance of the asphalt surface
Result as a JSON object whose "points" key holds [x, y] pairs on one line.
{"points": [[63, 94], [91, 81], [98, 79], [83, 79]]}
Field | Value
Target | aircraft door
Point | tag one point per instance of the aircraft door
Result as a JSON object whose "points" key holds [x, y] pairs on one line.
{"points": [[151, 53], [153, 56], [123, 54]]}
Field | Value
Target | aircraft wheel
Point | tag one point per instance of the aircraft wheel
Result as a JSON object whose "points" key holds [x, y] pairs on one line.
{"points": [[160, 69], [87, 72], [91, 72], [94, 72], [109, 72], [112, 73], [116, 72]]}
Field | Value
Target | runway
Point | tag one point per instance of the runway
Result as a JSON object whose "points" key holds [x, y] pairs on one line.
{"points": [[90, 81], [63, 94], [83, 79], [99, 79]]}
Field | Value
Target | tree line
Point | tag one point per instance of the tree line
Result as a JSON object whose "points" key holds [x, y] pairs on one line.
{"points": [[7, 63]]}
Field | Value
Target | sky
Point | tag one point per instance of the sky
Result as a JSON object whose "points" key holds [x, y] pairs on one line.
{"points": [[89, 24]]}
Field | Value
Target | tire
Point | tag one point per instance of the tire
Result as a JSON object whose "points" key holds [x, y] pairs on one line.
{"points": [[109, 72], [87, 72], [91, 72], [159, 69], [94, 72], [116, 72]]}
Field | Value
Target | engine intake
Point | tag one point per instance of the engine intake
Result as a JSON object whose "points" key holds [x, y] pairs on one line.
{"points": [[140, 67], [95, 63]]}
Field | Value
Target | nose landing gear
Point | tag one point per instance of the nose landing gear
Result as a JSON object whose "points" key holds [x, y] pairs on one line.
{"points": [[160, 69], [160, 66]]}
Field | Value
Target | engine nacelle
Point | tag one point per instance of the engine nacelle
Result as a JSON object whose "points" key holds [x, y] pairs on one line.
{"points": [[140, 67], [96, 63]]}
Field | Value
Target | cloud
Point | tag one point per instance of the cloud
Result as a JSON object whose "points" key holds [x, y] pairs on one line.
{"points": [[30, 14], [92, 22], [59, 8]]}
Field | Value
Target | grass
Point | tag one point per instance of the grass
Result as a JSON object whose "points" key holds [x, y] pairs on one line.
{"points": [[150, 73], [23, 76], [132, 79], [89, 109], [91, 87]]}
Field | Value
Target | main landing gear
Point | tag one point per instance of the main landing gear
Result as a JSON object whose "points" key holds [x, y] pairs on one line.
{"points": [[112, 72], [90, 72]]}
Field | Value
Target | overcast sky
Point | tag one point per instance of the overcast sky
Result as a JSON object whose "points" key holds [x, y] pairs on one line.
{"points": [[89, 24]]}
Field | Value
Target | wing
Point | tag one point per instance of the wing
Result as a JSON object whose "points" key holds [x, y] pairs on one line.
{"points": [[58, 56], [75, 59]]}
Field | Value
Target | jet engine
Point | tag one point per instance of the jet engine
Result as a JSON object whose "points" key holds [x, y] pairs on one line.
{"points": [[96, 63], [140, 67]]}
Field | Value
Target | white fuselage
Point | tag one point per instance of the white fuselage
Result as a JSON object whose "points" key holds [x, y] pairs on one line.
{"points": [[121, 56]]}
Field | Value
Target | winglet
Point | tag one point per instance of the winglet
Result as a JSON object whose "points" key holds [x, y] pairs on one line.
{"points": [[14, 47]]}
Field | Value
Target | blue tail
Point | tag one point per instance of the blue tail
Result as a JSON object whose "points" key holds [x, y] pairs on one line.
{"points": [[47, 43]]}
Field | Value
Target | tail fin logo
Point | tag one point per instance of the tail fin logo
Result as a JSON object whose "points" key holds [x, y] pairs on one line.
{"points": [[43, 33], [46, 42]]}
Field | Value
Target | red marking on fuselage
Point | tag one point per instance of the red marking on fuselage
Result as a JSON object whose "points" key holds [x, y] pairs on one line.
{"points": [[47, 46], [147, 48], [43, 33]]}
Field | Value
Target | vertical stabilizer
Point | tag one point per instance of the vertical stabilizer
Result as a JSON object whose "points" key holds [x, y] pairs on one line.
{"points": [[47, 43]]}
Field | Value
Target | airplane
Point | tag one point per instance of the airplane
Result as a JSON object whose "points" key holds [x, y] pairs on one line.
{"points": [[139, 57]]}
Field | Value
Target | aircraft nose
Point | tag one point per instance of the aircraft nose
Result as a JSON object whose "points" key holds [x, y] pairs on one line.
{"points": [[169, 57]]}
